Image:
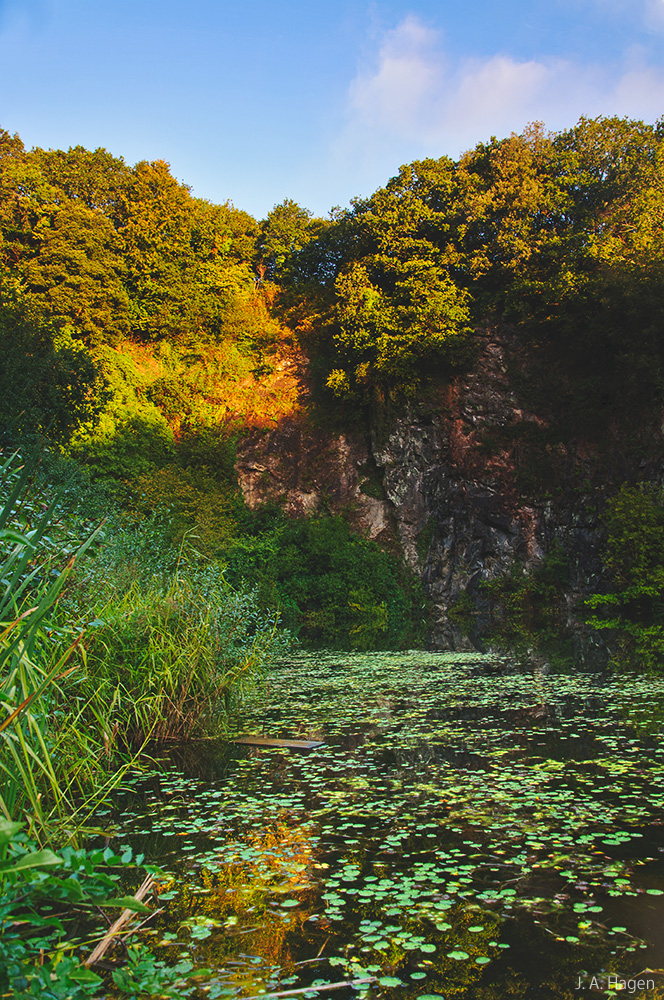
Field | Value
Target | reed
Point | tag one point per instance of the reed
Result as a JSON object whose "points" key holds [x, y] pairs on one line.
{"points": [[50, 775], [164, 656]]}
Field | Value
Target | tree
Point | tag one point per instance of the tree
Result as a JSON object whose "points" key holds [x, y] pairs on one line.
{"points": [[74, 274], [284, 233], [398, 310], [94, 178], [155, 223], [49, 383]]}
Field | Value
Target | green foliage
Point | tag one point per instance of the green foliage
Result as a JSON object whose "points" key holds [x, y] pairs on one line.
{"points": [[395, 317], [286, 230], [146, 975], [529, 605], [112, 250], [519, 609], [131, 436], [633, 607], [74, 275], [333, 587], [48, 382], [172, 646], [393, 309], [50, 769], [191, 503], [177, 407], [44, 900], [560, 234], [168, 663]]}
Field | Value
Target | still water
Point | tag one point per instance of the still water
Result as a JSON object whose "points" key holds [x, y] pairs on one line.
{"points": [[467, 829]]}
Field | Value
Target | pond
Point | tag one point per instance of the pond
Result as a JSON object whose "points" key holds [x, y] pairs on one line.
{"points": [[466, 829]]}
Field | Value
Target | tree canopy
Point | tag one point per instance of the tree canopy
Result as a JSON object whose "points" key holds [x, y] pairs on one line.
{"points": [[558, 233], [112, 251]]}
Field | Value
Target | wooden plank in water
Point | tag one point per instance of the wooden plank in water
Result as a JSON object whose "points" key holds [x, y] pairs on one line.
{"points": [[316, 989], [264, 741]]}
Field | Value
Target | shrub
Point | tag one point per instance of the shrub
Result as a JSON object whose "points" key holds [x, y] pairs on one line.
{"points": [[632, 607], [333, 587], [45, 899]]}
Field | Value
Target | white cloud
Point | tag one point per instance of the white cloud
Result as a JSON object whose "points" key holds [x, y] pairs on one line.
{"points": [[395, 94], [413, 101]]}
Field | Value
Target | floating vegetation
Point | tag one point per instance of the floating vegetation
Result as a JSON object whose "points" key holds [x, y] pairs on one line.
{"points": [[466, 830]]}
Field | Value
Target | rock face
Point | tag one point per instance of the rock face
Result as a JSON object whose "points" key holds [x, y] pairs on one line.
{"points": [[308, 470], [442, 487]]}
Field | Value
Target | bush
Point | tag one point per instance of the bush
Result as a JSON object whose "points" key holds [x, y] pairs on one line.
{"points": [[44, 900], [333, 587], [633, 605]]}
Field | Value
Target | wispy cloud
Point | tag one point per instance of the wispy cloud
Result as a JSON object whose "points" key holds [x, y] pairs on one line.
{"points": [[654, 14], [413, 100], [647, 12]]}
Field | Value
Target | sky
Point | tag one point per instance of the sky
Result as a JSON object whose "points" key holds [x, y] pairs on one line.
{"points": [[255, 101]]}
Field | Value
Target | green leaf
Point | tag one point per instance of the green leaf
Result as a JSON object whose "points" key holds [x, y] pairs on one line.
{"points": [[7, 831], [83, 975], [127, 903], [36, 859]]}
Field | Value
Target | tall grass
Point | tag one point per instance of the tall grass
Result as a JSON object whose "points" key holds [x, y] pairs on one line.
{"points": [[171, 646], [103, 649], [171, 658], [38, 782]]}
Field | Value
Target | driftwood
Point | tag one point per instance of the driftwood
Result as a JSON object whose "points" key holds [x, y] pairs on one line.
{"points": [[315, 989], [264, 741], [116, 928]]}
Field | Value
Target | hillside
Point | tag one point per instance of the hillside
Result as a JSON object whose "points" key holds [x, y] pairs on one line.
{"points": [[465, 368]]}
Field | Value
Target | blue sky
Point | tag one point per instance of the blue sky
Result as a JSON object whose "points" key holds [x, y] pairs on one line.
{"points": [[322, 100]]}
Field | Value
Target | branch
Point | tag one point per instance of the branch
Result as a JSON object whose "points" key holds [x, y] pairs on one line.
{"points": [[116, 928]]}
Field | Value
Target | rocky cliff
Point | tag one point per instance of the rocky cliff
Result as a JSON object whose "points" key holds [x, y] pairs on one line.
{"points": [[448, 485]]}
